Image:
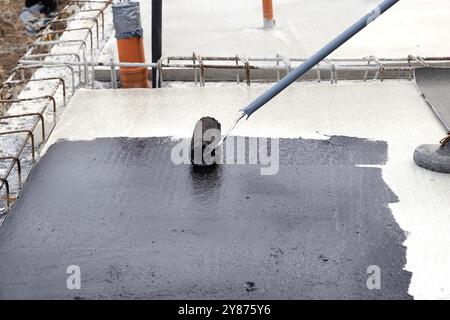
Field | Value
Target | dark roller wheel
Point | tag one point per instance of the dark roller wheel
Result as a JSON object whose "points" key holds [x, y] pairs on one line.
{"points": [[433, 157], [206, 131]]}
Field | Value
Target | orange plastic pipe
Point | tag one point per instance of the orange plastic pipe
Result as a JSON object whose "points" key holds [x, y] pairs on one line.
{"points": [[269, 22], [132, 50], [268, 9]]}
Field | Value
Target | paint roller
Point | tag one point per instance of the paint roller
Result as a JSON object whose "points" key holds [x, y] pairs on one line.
{"points": [[204, 144]]}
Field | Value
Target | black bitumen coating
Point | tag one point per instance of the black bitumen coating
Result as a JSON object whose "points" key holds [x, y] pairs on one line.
{"points": [[434, 84], [139, 226]]}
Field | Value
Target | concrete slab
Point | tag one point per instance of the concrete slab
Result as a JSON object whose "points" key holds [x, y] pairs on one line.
{"points": [[223, 28], [392, 113]]}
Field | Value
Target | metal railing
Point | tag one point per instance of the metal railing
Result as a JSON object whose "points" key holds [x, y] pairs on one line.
{"points": [[245, 67]]}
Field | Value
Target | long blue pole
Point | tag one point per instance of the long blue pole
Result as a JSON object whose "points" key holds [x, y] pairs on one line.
{"points": [[317, 57]]}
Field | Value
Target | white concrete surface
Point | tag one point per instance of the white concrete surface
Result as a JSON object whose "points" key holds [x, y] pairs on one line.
{"points": [[389, 111], [227, 28]]}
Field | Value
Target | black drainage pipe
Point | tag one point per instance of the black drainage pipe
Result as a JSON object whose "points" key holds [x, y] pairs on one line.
{"points": [[156, 37]]}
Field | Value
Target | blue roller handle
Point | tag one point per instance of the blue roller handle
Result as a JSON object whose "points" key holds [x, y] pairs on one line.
{"points": [[318, 57]]}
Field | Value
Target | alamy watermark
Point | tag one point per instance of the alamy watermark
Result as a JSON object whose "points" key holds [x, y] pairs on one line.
{"points": [[234, 150], [73, 281], [374, 15], [374, 279]]}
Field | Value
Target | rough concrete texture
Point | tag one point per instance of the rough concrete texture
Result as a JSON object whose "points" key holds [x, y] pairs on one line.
{"points": [[139, 226], [393, 111], [434, 84], [227, 28]]}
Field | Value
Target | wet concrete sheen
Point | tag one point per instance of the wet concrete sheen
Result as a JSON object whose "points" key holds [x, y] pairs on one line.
{"points": [[141, 227]]}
